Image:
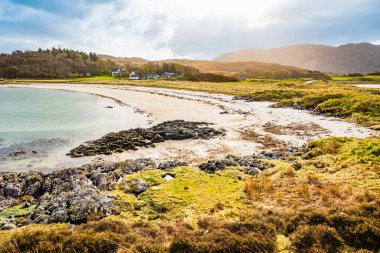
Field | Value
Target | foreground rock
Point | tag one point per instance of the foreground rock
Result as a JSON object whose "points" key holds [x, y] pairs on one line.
{"points": [[77, 195], [73, 195], [134, 138]]}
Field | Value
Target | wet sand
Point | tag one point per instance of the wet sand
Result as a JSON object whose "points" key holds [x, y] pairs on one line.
{"points": [[370, 86]]}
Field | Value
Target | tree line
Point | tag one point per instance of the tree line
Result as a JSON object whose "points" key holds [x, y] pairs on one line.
{"points": [[158, 68], [52, 63], [67, 63]]}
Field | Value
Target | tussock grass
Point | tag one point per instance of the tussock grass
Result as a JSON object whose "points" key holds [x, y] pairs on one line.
{"points": [[329, 203]]}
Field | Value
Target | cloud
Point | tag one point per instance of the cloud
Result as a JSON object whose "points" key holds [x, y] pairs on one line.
{"points": [[157, 29]]}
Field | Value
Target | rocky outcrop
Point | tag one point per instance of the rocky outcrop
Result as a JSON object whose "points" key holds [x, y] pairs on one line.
{"points": [[135, 138], [171, 164], [76, 195], [68, 195]]}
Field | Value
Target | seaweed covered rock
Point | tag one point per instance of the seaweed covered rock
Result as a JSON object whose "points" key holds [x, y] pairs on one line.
{"points": [[170, 165], [250, 164], [139, 137]]}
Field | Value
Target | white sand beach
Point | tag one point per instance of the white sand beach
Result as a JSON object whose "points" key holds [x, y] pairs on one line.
{"points": [[248, 125]]}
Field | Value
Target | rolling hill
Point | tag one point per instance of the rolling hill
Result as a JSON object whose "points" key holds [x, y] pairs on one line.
{"points": [[251, 69], [351, 58]]}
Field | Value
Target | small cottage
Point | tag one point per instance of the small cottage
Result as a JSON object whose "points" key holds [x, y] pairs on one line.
{"points": [[151, 76], [133, 76], [116, 72]]}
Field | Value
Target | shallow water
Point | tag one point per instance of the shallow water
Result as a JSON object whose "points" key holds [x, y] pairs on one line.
{"points": [[32, 116]]}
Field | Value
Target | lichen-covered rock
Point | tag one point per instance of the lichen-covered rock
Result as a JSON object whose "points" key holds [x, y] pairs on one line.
{"points": [[170, 165], [136, 186], [7, 225], [19, 184]]}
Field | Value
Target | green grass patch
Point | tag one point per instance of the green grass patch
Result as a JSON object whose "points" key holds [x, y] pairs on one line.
{"points": [[189, 194], [193, 192], [15, 211]]}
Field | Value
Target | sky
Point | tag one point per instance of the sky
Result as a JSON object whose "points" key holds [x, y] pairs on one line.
{"points": [[195, 29]]}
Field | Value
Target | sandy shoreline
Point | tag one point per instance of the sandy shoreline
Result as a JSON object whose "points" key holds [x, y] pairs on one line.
{"points": [[248, 125], [369, 86]]}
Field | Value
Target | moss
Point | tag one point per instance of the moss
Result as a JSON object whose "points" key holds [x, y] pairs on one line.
{"points": [[16, 211], [350, 149], [150, 176], [193, 192], [276, 95]]}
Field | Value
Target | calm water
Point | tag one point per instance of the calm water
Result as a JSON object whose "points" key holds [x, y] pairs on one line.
{"points": [[28, 115]]}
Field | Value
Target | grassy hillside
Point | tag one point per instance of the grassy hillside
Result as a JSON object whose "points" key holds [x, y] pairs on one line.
{"points": [[250, 69], [246, 69]]}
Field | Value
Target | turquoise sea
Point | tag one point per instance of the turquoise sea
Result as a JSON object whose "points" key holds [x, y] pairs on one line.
{"points": [[28, 115]]}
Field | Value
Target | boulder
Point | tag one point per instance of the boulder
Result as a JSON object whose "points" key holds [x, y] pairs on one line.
{"points": [[136, 186]]}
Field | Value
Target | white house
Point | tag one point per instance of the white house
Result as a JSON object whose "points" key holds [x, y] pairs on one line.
{"points": [[133, 76], [116, 72]]}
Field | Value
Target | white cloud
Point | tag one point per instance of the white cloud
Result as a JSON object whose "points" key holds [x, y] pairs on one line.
{"points": [[157, 29]]}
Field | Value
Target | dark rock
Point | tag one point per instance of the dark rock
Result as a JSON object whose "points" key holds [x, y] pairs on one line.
{"points": [[7, 225], [136, 186], [170, 165], [244, 98], [17, 153], [249, 163], [290, 151], [157, 138], [252, 171], [69, 195]]}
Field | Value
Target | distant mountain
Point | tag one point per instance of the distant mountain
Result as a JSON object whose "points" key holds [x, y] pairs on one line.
{"points": [[253, 69], [248, 69], [351, 58], [123, 60]]}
